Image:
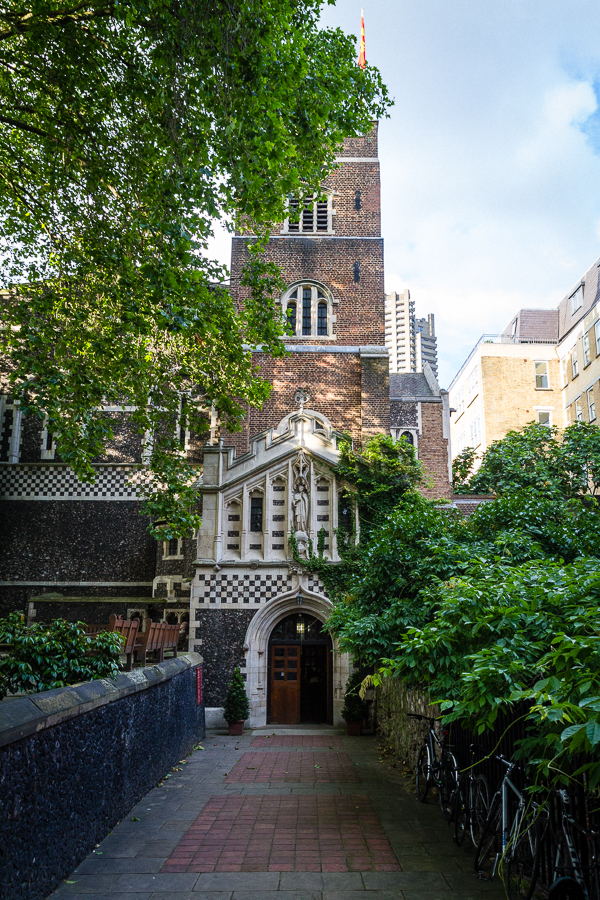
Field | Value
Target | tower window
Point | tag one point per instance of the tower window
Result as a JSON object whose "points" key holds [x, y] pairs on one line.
{"points": [[322, 319], [256, 513], [313, 216], [356, 269], [306, 310], [357, 201], [291, 314], [173, 548]]}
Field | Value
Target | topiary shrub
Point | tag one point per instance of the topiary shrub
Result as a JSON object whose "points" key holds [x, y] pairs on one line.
{"points": [[354, 709], [236, 706], [42, 657]]}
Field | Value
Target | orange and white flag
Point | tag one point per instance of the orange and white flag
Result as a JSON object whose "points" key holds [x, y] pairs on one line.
{"points": [[362, 59]]}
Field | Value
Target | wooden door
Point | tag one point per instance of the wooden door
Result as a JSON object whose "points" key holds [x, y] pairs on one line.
{"points": [[285, 684]]}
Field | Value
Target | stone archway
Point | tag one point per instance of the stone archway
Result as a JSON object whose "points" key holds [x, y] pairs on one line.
{"points": [[257, 646]]}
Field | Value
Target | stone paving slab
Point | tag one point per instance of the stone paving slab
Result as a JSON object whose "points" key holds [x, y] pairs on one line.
{"points": [[294, 766], [130, 863]]}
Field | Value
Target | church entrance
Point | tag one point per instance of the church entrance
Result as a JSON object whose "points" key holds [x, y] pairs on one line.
{"points": [[300, 683]]}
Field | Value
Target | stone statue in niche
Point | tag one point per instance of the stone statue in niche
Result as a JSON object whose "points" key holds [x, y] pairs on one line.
{"points": [[301, 502]]}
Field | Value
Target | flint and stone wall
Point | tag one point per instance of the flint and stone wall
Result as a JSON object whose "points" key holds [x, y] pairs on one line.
{"points": [[398, 732], [75, 760]]}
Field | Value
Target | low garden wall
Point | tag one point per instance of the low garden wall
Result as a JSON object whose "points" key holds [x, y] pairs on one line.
{"points": [[74, 761], [397, 731]]}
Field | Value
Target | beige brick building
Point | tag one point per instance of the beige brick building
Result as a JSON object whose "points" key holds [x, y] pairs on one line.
{"points": [[508, 380], [579, 348]]}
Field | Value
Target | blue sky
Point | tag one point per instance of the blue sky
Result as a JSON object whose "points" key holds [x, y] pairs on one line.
{"points": [[490, 161]]}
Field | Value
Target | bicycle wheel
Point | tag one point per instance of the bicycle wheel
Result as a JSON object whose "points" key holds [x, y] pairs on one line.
{"points": [[447, 782], [423, 773], [479, 805], [524, 855], [461, 809], [490, 845], [566, 888]]}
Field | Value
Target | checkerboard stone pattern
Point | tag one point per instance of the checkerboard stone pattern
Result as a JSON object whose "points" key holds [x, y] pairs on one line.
{"points": [[58, 482], [326, 767], [285, 833], [242, 588], [297, 740]]}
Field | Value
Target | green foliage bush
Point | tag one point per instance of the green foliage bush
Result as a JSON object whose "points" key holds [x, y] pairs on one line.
{"points": [[354, 708], [236, 705], [42, 657]]}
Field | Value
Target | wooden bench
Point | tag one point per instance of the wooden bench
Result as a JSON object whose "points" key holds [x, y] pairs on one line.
{"points": [[158, 637], [127, 628]]}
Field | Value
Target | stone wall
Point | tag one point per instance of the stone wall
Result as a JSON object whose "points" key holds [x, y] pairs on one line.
{"points": [[74, 761], [396, 730]]}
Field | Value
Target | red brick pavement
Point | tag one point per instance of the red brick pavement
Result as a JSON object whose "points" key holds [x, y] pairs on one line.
{"points": [[300, 740], [318, 833], [321, 768]]}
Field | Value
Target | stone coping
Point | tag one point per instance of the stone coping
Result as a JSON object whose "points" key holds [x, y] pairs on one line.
{"points": [[23, 716]]}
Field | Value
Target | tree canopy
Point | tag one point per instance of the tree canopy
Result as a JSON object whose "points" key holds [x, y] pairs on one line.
{"points": [[126, 130], [496, 612]]}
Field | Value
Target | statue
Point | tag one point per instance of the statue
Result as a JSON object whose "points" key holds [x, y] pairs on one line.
{"points": [[300, 502]]}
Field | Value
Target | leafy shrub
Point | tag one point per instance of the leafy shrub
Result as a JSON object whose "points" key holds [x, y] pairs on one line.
{"points": [[42, 657], [354, 709], [236, 702]]}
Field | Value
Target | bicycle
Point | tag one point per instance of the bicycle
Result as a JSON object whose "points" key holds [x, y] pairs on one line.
{"points": [[568, 875], [471, 803], [513, 834], [436, 767]]}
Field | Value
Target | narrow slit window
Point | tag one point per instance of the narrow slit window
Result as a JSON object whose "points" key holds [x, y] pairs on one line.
{"points": [[306, 310], [256, 513], [48, 441], [322, 319]]}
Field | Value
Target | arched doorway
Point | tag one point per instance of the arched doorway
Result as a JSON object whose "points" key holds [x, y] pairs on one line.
{"points": [[300, 682]]}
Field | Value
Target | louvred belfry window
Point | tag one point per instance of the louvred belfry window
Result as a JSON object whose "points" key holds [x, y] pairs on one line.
{"points": [[306, 310], [309, 217]]}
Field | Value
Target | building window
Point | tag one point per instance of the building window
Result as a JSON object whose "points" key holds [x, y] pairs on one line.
{"points": [[315, 318], [586, 350], [541, 374], [306, 310], [578, 410], [291, 311], [172, 548], [462, 441], [472, 386], [408, 437], [256, 513], [591, 405], [544, 417], [314, 216], [460, 403], [577, 299], [48, 444], [475, 432], [322, 318], [597, 336], [574, 365]]}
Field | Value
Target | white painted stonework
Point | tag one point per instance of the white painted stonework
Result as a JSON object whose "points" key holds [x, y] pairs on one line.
{"points": [[290, 468]]}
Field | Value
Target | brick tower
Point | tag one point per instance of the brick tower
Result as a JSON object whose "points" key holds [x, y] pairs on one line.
{"points": [[251, 605]]}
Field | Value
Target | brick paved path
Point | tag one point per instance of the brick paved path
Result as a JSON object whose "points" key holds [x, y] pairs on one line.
{"points": [[287, 816]]}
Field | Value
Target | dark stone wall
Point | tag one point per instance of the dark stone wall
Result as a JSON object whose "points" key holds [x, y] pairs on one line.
{"points": [[74, 541], [222, 632], [64, 788], [95, 612]]}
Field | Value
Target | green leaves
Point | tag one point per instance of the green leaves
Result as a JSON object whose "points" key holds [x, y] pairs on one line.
{"points": [[42, 657], [125, 132]]}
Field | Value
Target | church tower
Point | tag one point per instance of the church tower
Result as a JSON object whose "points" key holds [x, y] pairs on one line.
{"points": [[272, 483]]}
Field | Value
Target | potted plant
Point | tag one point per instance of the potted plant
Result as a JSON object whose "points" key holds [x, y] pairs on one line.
{"points": [[354, 708], [237, 708]]}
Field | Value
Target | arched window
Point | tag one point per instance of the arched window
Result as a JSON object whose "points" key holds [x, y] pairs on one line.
{"points": [[309, 311], [408, 437]]}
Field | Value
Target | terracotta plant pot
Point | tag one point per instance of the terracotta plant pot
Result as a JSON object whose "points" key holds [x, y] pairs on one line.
{"points": [[354, 729], [236, 728]]}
